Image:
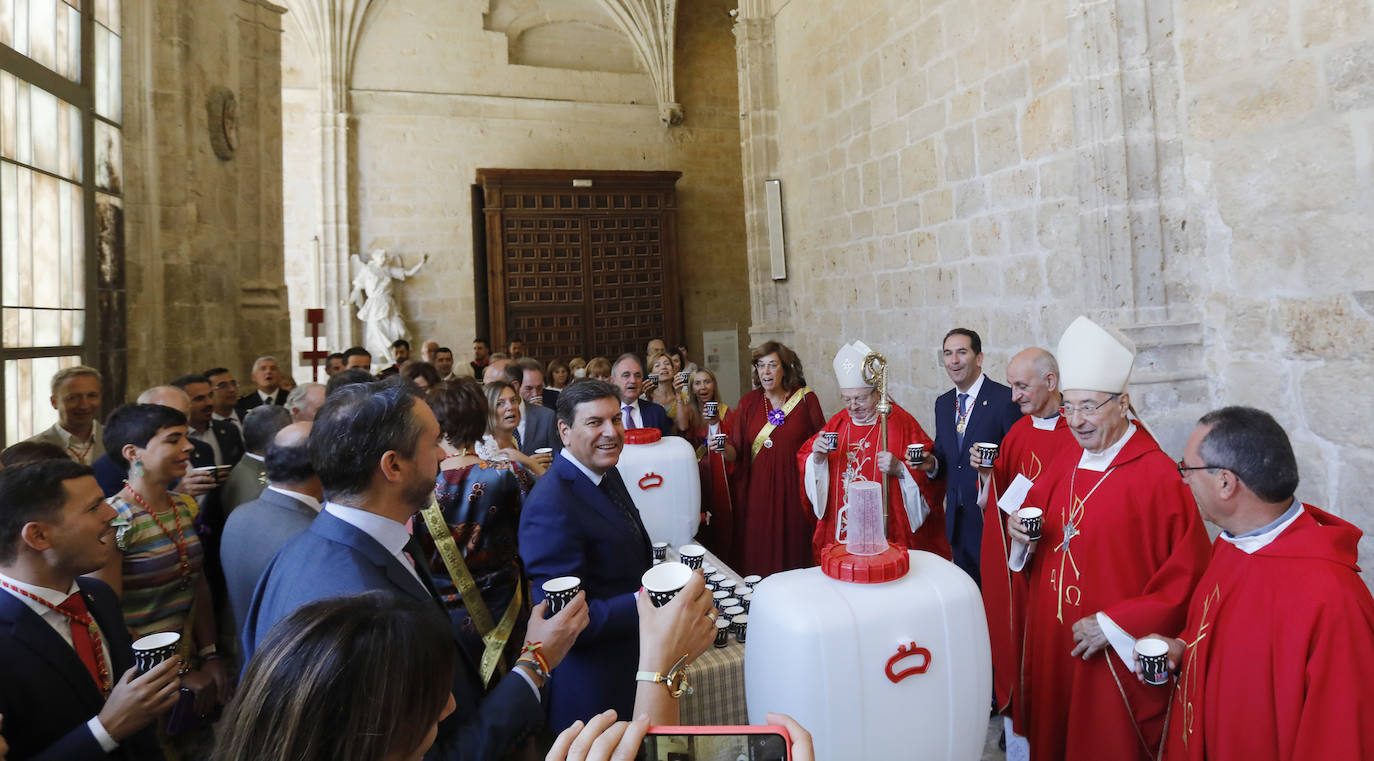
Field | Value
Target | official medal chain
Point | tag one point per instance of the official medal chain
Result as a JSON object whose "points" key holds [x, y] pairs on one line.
{"points": [[179, 540]]}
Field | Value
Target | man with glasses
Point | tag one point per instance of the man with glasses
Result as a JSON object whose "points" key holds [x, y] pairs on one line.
{"points": [[1121, 549], [1034, 443], [225, 394], [1281, 622]]}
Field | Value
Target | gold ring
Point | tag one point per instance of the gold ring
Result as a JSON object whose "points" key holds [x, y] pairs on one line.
{"points": [[711, 614]]}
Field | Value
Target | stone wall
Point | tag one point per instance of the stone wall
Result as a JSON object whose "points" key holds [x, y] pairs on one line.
{"points": [[433, 96], [1197, 173], [203, 235]]}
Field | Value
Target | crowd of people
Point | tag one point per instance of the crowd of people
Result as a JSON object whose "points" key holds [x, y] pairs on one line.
{"points": [[355, 569]]}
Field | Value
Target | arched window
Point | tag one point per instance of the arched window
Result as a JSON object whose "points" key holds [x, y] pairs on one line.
{"points": [[61, 210]]}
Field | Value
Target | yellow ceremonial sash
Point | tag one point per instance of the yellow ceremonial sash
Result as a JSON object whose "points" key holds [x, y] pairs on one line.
{"points": [[767, 429], [494, 637]]}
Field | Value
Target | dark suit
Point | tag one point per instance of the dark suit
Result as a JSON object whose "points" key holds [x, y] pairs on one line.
{"points": [[652, 415], [991, 415], [46, 693], [253, 400], [551, 398], [252, 536], [229, 439], [541, 430], [569, 527], [335, 559]]}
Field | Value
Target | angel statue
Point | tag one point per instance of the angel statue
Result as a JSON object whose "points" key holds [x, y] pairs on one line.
{"points": [[382, 320]]}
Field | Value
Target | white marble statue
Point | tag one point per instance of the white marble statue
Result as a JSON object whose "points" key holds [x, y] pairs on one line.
{"points": [[382, 320]]}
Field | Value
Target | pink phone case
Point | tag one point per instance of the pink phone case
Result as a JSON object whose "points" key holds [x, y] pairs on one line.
{"points": [[743, 729]]}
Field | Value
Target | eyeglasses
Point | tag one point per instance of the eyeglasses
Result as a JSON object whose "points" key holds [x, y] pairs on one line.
{"points": [[1183, 469], [1086, 410]]}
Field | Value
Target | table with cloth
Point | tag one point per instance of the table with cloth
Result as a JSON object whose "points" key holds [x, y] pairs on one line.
{"points": [[717, 677]]}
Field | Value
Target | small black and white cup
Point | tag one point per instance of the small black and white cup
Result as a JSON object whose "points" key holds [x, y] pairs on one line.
{"points": [[746, 600], [560, 591], [719, 597], [730, 611], [665, 580], [685, 377], [987, 453], [717, 442], [752, 580], [915, 454], [739, 625], [832, 438], [712, 409], [152, 649], [722, 631], [1152, 657], [693, 555], [709, 570], [651, 377], [660, 550], [1033, 518], [730, 602], [728, 585], [713, 580]]}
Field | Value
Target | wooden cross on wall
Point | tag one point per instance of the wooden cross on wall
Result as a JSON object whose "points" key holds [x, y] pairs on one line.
{"points": [[314, 318]]}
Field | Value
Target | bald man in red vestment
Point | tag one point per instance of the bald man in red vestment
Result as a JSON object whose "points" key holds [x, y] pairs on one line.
{"points": [[1122, 547], [1033, 444], [1278, 654]]}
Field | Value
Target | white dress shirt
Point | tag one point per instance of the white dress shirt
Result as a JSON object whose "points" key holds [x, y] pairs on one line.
{"points": [[208, 436], [388, 533], [311, 502], [595, 477], [63, 626]]}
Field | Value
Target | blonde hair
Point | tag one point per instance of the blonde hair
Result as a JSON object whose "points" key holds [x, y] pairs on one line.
{"points": [[67, 373]]}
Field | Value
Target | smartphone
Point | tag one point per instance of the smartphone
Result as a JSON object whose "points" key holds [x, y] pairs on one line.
{"points": [[724, 743]]}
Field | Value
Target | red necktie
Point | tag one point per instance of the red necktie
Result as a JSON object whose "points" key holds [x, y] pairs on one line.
{"points": [[85, 641]]}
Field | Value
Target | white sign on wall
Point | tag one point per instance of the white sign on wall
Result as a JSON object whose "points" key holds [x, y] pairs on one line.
{"points": [[721, 355]]}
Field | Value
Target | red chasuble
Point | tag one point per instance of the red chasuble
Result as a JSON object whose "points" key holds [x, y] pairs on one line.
{"points": [[857, 458], [1280, 660], [772, 527], [1026, 451], [1127, 542], [716, 473]]}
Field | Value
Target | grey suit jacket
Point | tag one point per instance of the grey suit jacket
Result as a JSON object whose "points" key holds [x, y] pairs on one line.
{"points": [[541, 430], [252, 536], [246, 481], [51, 435]]}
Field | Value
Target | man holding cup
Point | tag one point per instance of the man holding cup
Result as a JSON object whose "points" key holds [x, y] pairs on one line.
{"points": [[849, 449], [579, 520], [66, 660], [1032, 445], [1281, 624], [1121, 549]]}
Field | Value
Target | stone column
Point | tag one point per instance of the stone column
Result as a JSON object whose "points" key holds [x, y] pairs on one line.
{"points": [[770, 300]]}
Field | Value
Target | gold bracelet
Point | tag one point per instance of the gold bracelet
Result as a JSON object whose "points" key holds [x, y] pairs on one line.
{"points": [[675, 680]]}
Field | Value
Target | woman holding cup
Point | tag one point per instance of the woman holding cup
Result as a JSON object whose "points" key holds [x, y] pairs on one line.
{"points": [[705, 419], [668, 390], [480, 500], [159, 573], [503, 419]]}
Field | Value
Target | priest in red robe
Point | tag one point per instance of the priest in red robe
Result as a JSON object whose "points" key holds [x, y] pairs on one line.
{"points": [[1278, 653], [1032, 446], [1121, 550], [772, 528], [915, 513]]}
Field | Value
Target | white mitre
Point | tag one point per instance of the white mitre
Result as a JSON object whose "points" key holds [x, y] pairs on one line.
{"points": [[1094, 358], [849, 365]]}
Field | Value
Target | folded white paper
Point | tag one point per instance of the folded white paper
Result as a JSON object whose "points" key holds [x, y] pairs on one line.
{"points": [[1011, 499]]}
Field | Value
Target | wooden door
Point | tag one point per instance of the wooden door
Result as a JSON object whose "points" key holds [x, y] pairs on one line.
{"points": [[581, 271]]}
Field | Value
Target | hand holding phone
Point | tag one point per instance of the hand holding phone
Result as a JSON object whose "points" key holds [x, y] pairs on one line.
{"points": [[771, 742]]}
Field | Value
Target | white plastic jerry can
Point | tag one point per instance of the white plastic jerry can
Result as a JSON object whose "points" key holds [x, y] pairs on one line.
{"points": [[880, 657], [662, 477]]}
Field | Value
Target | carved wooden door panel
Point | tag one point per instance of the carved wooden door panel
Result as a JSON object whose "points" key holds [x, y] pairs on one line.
{"points": [[581, 271]]}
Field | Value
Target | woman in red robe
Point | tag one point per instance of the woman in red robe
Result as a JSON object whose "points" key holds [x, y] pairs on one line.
{"points": [[773, 528], [716, 500]]}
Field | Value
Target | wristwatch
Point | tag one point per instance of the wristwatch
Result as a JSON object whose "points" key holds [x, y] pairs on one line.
{"points": [[675, 680]]}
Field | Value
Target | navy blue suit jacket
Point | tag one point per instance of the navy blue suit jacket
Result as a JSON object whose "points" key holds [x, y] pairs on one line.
{"points": [[568, 527], [654, 416], [332, 558], [46, 693], [992, 414]]}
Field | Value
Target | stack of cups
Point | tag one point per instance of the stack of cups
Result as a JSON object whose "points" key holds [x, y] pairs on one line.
{"points": [[664, 581], [692, 555], [722, 631], [560, 591]]}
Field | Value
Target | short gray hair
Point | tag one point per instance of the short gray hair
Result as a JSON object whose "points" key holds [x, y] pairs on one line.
{"points": [[263, 358], [66, 373], [297, 395]]}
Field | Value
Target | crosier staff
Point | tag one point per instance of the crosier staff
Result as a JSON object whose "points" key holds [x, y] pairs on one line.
{"points": [[875, 374]]}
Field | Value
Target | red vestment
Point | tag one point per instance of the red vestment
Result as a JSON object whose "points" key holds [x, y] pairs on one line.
{"points": [[1281, 652], [772, 527], [858, 446], [1135, 549], [1026, 451], [716, 473]]}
